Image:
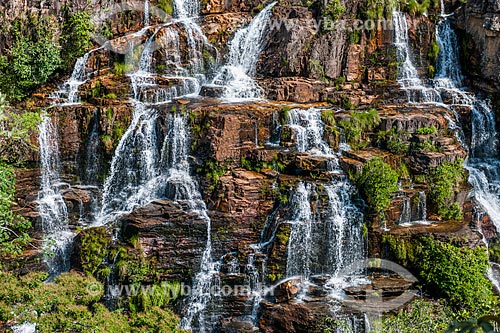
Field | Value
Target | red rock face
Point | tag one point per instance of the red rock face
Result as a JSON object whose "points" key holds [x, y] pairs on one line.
{"points": [[300, 67]]}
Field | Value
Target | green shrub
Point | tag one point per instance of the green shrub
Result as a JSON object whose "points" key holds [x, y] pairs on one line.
{"points": [[419, 7], [419, 317], [358, 123], [16, 131], [426, 130], [334, 10], [454, 271], [94, 244], [71, 304], [378, 182], [33, 57], [394, 141], [76, 37], [379, 9], [446, 179], [458, 272], [13, 227]]}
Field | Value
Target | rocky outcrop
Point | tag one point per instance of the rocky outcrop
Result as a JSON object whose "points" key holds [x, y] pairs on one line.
{"points": [[479, 22], [170, 236]]}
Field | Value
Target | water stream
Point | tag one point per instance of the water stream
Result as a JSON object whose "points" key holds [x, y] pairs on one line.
{"points": [[237, 76]]}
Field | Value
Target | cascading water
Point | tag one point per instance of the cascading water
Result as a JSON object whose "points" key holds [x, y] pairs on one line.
{"points": [[237, 75], [92, 166], [300, 250], [180, 186], [146, 13], [68, 91], [483, 162], [136, 162], [326, 241], [408, 77], [326, 230], [51, 206]]}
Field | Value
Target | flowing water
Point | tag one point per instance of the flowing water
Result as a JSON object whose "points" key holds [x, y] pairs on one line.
{"points": [[483, 162], [322, 241], [237, 76], [136, 164], [51, 206]]}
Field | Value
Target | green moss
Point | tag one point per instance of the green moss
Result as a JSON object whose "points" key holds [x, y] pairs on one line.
{"points": [[357, 124], [93, 249], [334, 10], [121, 68], [71, 303], [284, 114], [156, 295], [427, 130], [166, 6], [212, 170]]}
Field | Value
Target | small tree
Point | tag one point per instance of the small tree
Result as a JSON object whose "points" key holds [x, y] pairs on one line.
{"points": [[378, 182]]}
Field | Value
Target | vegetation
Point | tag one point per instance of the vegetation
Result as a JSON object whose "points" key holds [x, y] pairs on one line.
{"points": [[334, 10], [419, 7], [420, 316], [378, 182], [357, 124], [166, 6], [449, 269], [76, 37], [446, 179], [16, 130], [212, 170], [379, 9], [426, 130], [394, 141], [13, 227], [93, 248], [71, 304], [33, 57], [485, 324]]}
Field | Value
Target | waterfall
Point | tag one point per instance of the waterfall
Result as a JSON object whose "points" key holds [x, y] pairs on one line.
{"points": [[448, 73], [245, 47], [186, 8], [51, 206], [322, 241], [422, 207], [180, 186], [483, 163], [68, 91], [92, 168], [146, 13], [300, 250], [405, 217], [308, 130], [136, 164], [408, 77]]}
